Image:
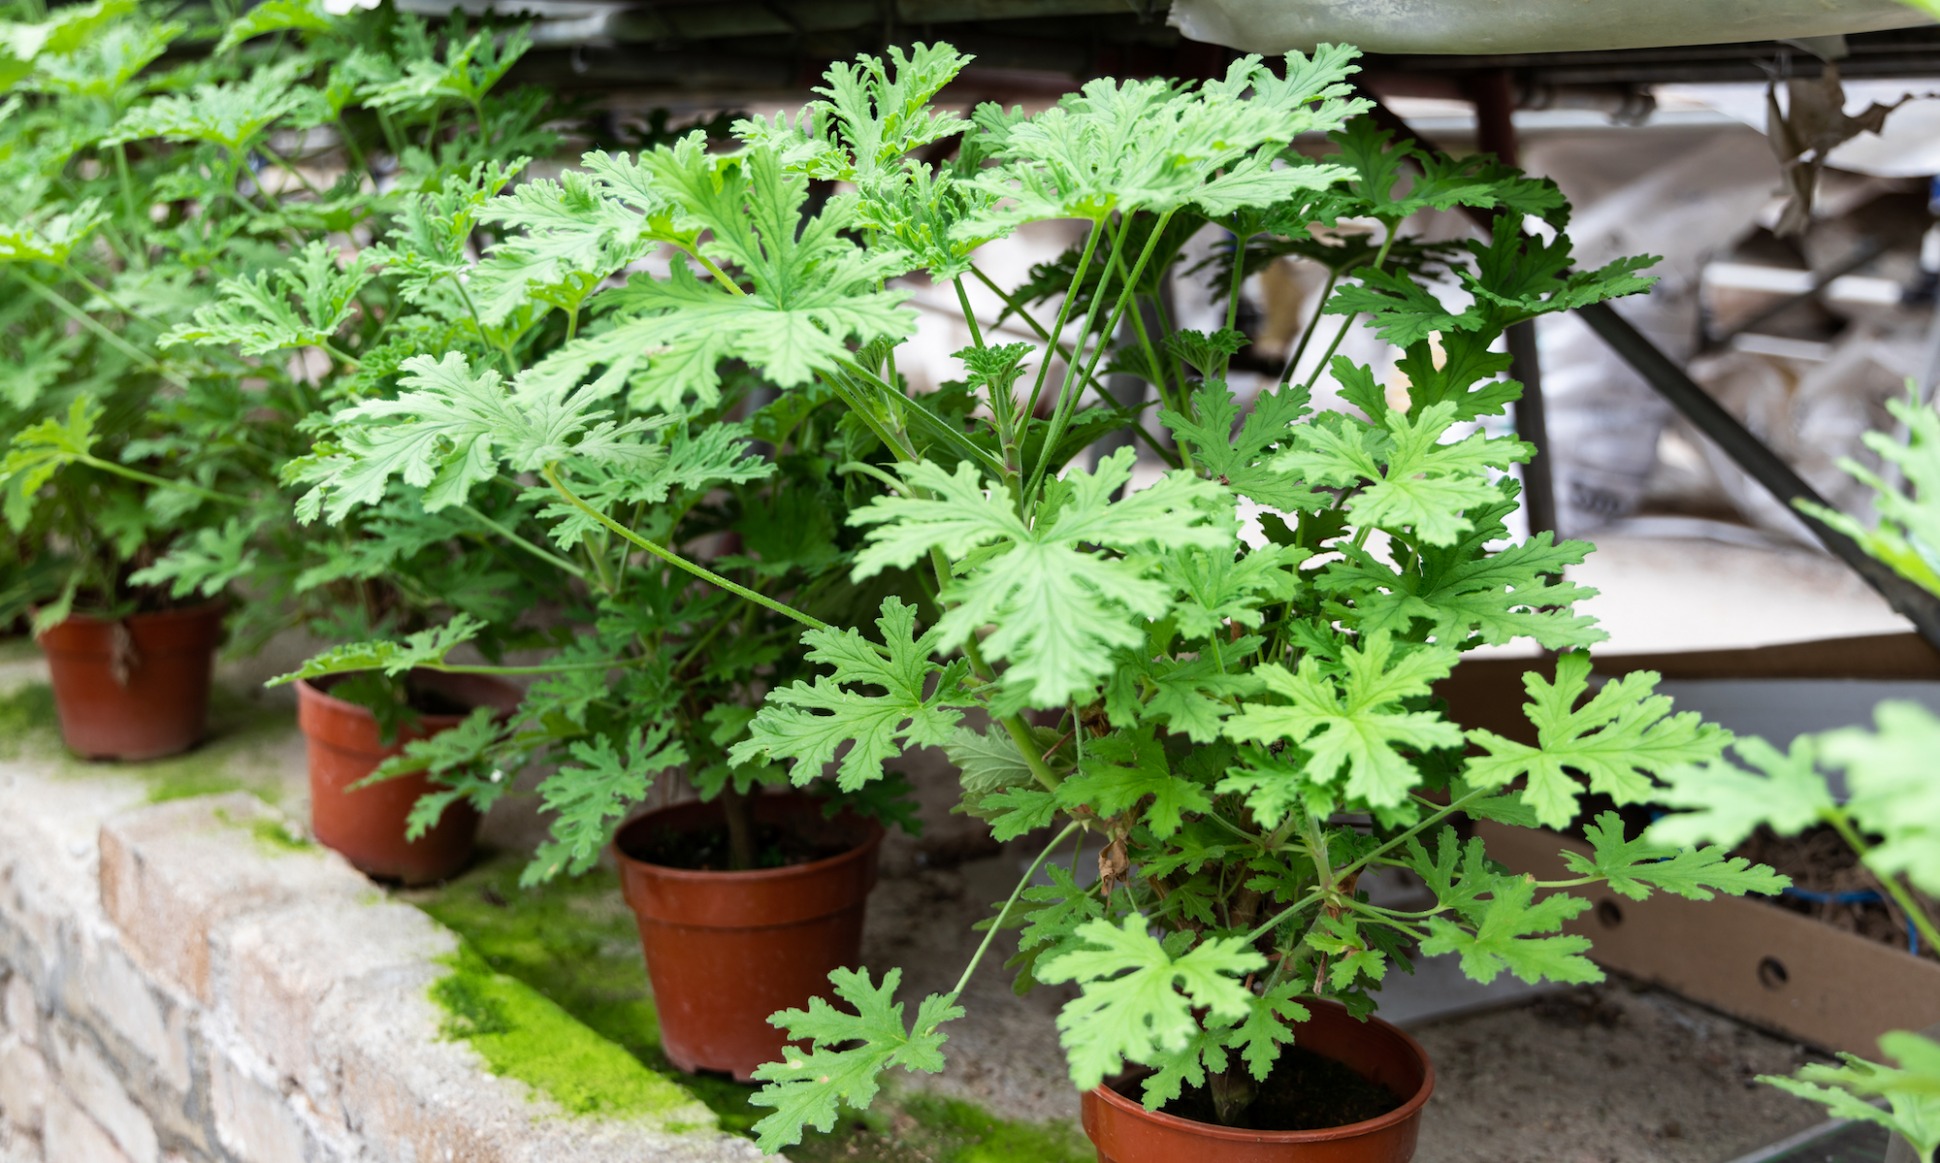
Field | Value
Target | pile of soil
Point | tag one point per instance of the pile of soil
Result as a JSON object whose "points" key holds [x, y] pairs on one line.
{"points": [[1832, 886], [1305, 1092], [706, 850]]}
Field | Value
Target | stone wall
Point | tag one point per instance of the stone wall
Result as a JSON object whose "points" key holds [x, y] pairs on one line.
{"points": [[178, 986]]}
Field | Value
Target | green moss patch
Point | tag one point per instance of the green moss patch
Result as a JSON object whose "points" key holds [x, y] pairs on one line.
{"points": [[27, 722], [246, 748], [524, 1035], [575, 942]]}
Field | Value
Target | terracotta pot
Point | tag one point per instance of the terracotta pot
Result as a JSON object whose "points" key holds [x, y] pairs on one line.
{"points": [[726, 949], [1125, 1132], [137, 688], [368, 825]]}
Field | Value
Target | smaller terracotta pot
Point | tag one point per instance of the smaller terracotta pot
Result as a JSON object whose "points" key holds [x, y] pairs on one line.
{"points": [[1125, 1132], [137, 688], [726, 949], [368, 825]]}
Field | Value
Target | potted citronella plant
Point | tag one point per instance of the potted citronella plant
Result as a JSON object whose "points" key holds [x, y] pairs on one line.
{"points": [[1884, 803], [671, 655], [1244, 726], [415, 149], [121, 212]]}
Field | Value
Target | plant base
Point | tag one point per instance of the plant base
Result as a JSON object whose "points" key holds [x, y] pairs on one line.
{"points": [[726, 949], [137, 688], [1125, 1132], [368, 825]]}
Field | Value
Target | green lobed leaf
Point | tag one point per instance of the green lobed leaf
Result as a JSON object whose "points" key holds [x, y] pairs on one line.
{"points": [[1636, 866], [807, 723], [1355, 722], [1513, 934], [1061, 594], [1619, 740], [1138, 1000], [846, 1055]]}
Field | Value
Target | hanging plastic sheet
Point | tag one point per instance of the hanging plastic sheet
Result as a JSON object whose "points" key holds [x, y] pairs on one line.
{"points": [[1492, 26]]}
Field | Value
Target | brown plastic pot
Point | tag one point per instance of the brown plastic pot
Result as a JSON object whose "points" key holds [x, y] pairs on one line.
{"points": [[1125, 1132], [137, 688], [726, 949], [368, 825]]}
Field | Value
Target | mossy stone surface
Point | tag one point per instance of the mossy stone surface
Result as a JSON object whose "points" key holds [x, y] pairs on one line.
{"points": [[249, 747], [524, 1035], [575, 942]]}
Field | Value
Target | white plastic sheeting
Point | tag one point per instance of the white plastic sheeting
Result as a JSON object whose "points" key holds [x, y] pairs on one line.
{"points": [[1517, 26]]}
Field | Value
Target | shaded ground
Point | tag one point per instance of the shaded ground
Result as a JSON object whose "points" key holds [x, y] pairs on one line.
{"points": [[1612, 1073]]}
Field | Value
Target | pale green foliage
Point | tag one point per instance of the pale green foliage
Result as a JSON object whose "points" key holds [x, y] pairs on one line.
{"points": [[1409, 479], [1907, 536], [302, 304], [206, 562], [1619, 740], [39, 451], [1634, 867], [811, 290], [273, 16], [393, 658], [49, 238], [1911, 1089], [1726, 803], [1139, 996], [469, 69], [450, 430], [1355, 721], [1156, 146], [807, 723], [1058, 606], [1514, 932], [66, 30], [591, 795], [231, 115], [847, 1053], [1893, 795]]}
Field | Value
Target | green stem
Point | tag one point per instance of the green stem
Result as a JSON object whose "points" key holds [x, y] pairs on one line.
{"points": [[676, 560], [1915, 915], [969, 315], [1232, 294], [1453, 806], [135, 474], [539, 552], [1068, 399], [100, 330], [540, 668], [1056, 333], [1131, 420], [694, 253], [996, 925], [888, 482], [1393, 229], [1307, 332], [1272, 922]]}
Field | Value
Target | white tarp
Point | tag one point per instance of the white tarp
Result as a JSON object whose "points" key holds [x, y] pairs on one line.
{"points": [[1517, 26]]}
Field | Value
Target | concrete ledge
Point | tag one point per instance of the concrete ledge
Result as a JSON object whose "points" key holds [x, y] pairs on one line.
{"points": [[180, 985]]}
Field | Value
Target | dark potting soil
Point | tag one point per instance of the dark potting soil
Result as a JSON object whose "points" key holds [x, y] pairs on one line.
{"points": [[1831, 886], [1305, 1092], [707, 850], [429, 702]]}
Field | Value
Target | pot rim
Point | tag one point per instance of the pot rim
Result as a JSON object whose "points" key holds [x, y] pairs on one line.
{"points": [[309, 690], [871, 841], [216, 606], [1400, 1114]]}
